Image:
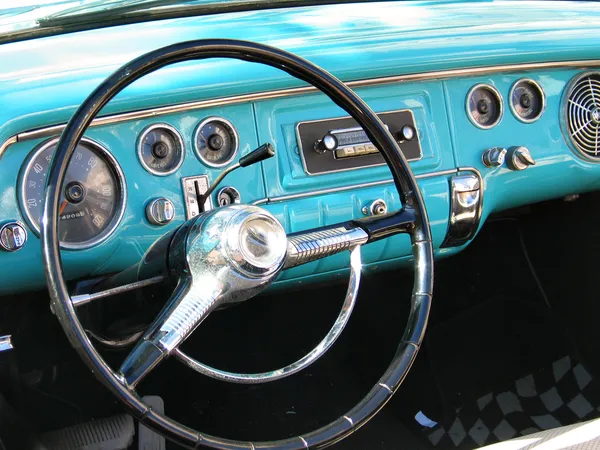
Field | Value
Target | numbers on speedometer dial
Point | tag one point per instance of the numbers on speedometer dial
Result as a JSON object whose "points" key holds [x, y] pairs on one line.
{"points": [[92, 196]]}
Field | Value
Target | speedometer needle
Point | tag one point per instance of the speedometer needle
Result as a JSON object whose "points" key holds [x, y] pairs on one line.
{"points": [[63, 206]]}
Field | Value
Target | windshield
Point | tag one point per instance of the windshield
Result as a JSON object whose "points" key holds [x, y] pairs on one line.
{"points": [[37, 18]]}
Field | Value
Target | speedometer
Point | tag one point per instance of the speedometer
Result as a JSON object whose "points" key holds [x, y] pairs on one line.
{"points": [[92, 200]]}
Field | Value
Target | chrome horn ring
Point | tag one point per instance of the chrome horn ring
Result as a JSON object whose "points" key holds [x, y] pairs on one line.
{"points": [[306, 360], [411, 219]]}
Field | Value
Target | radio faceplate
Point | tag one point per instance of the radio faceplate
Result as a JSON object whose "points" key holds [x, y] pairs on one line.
{"points": [[353, 150]]}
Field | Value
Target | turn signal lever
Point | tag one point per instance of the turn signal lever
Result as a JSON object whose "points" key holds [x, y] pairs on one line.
{"points": [[263, 152]]}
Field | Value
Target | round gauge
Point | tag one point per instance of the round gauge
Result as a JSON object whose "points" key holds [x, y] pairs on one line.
{"points": [[92, 200], [216, 142], [484, 106], [161, 149], [527, 100]]}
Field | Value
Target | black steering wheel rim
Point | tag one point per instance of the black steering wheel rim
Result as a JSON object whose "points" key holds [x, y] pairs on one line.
{"points": [[379, 135]]}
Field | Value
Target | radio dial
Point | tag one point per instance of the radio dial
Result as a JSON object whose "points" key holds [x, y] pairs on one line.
{"points": [[407, 133], [328, 144]]}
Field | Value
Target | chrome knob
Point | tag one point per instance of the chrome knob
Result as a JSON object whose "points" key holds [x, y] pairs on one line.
{"points": [[494, 157], [407, 133], [12, 236], [519, 158], [375, 208], [328, 143], [160, 211]]}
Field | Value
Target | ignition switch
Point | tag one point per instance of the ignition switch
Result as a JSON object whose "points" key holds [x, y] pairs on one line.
{"points": [[227, 196]]}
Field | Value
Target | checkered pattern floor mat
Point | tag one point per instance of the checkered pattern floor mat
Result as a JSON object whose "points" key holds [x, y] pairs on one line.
{"points": [[562, 394]]}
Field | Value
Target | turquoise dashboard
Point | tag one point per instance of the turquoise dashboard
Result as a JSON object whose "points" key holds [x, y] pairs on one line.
{"points": [[425, 57]]}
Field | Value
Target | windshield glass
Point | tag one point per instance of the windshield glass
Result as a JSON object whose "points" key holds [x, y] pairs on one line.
{"points": [[36, 18]]}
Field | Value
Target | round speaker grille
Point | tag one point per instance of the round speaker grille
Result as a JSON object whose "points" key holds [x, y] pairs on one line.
{"points": [[583, 114]]}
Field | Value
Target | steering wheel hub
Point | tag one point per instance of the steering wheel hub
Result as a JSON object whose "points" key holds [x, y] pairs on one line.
{"points": [[256, 242]]}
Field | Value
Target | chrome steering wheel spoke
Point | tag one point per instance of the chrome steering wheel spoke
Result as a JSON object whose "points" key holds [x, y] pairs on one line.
{"points": [[226, 255], [311, 245]]}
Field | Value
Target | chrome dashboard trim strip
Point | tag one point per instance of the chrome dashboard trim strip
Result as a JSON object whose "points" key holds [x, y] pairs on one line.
{"points": [[10, 141], [244, 98], [351, 187]]}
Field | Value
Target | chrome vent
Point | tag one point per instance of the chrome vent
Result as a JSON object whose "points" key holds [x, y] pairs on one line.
{"points": [[583, 114]]}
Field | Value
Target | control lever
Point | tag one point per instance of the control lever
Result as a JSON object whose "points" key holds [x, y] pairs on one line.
{"points": [[263, 152]]}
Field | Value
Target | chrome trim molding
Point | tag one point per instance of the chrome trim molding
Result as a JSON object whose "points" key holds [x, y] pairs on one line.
{"points": [[512, 106], [351, 187], [112, 163], [499, 97], [6, 343], [10, 141], [176, 134], [245, 98]]}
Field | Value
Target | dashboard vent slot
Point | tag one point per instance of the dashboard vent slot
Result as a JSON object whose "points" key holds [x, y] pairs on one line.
{"points": [[583, 114]]}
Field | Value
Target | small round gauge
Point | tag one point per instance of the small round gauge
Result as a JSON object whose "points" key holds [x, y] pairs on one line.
{"points": [[527, 100], [160, 149], [484, 106], [216, 142], [92, 200]]}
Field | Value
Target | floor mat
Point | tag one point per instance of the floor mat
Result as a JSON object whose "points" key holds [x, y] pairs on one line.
{"points": [[560, 394], [503, 369]]}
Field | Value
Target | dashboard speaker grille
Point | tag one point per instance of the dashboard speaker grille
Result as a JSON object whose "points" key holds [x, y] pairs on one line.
{"points": [[583, 114]]}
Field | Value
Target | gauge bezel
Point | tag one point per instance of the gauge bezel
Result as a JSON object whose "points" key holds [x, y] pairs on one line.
{"points": [[177, 136], [122, 200], [232, 131], [499, 97], [512, 106]]}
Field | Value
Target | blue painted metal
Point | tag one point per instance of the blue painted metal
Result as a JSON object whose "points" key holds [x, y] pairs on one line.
{"points": [[42, 82]]}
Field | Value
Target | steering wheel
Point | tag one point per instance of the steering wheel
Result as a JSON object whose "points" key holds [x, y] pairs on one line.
{"points": [[232, 253]]}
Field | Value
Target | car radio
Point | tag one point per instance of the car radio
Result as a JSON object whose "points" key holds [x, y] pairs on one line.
{"points": [[333, 145]]}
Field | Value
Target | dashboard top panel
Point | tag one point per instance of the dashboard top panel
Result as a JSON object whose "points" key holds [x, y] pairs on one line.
{"points": [[388, 38]]}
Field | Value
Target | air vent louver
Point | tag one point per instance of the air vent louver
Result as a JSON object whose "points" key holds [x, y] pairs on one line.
{"points": [[583, 114]]}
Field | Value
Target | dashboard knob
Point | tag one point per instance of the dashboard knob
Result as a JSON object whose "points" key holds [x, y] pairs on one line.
{"points": [[519, 158], [407, 133], [12, 236], [494, 157], [328, 143], [375, 208], [160, 211]]}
